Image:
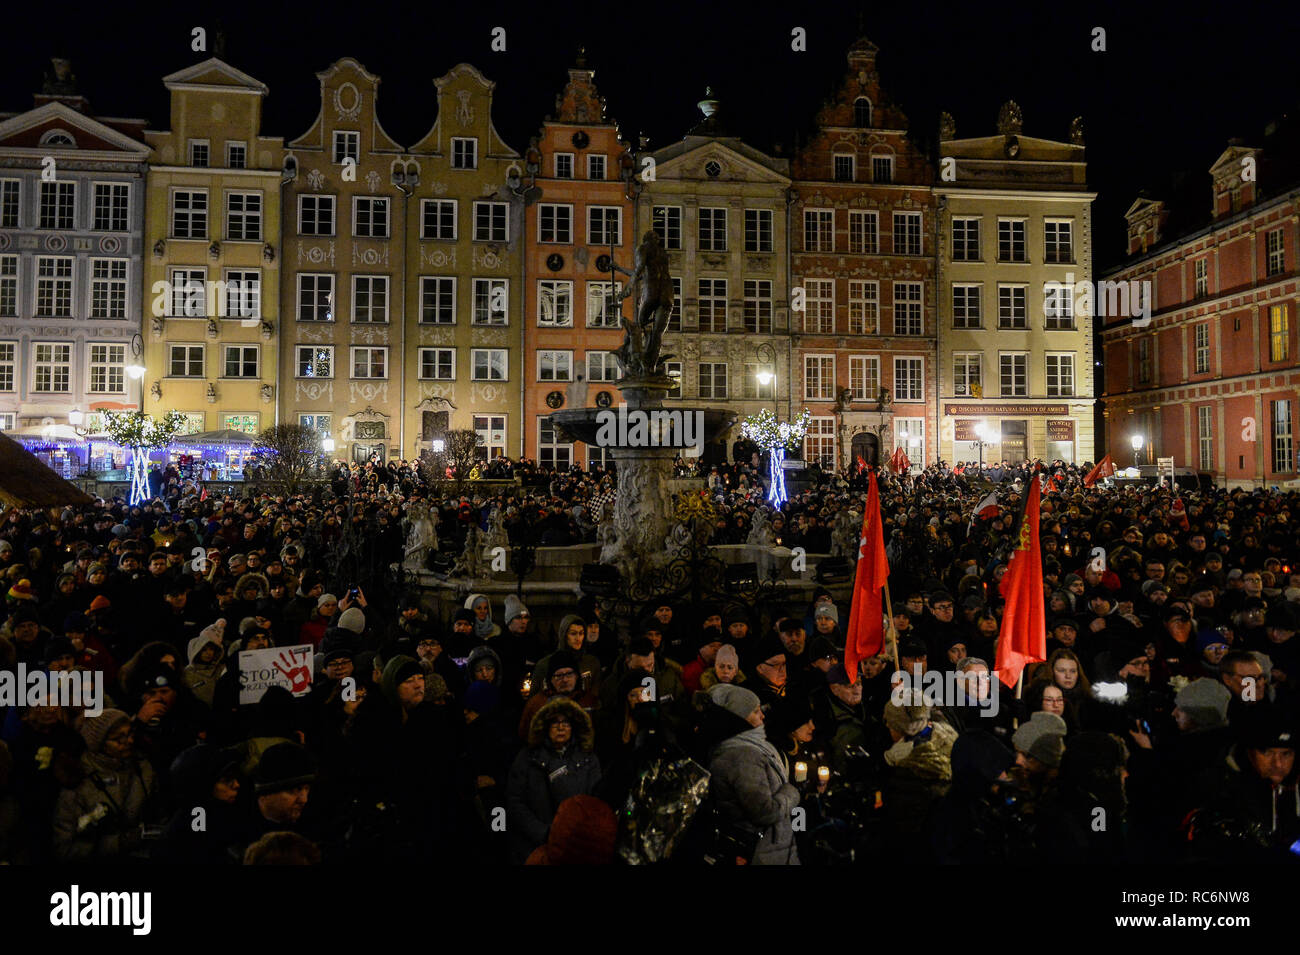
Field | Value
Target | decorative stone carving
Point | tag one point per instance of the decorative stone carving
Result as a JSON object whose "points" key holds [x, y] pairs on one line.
{"points": [[947, 127], [316, 254], [1076, 131], [373, 179], [268, 253], [421, 534], [496, 533], [844, 534], [212, 393], [760, 529], [155, 391], [156, 326], [214, 251], [213, 331], [470, 563], [464, 111], [268, 330], [315, 179], [1010, 119], [347, 103], [160, 248], [268, 393]]}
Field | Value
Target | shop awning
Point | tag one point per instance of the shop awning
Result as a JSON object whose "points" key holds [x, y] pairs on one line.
{"points": [[226, 438]]}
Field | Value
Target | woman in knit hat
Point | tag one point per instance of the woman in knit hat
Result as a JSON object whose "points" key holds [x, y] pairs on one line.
{"points": [[103, 817], [725, 669]]}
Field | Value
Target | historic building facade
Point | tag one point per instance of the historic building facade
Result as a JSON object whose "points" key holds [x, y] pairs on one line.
{"points": [[1209, 376], [212, 269], [722, 208], [72, 201], [583, 169], [863, 238], [1014, 276]]}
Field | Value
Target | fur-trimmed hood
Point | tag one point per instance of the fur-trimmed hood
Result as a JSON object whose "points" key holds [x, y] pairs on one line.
{"points": [[582, 731], [250, 578]]}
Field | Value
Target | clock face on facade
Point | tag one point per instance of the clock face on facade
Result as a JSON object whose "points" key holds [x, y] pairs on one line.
{"points": [[581, 139], [604, 399], [713, 169], [555, 261], [554, 400]]}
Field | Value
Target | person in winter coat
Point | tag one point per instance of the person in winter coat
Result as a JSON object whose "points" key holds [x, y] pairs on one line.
{"points": [[1092, 777], [922, 768], [572, 637], [749, 778], [562, 679], [207, 656], [481, 607], [204, 777], [725, 669], [584, 833], [103, 817], [557, 764]]}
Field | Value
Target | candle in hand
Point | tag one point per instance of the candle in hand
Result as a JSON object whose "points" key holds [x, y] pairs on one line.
{"points": [[823, 774], [800, 772]]}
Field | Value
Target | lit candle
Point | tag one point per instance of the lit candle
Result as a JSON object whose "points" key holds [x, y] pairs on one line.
{"points": [[800, 771], [528, 685], [823, 774]]}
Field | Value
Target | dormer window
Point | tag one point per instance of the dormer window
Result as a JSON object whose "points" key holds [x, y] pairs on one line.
{"points": [[862, 112]]}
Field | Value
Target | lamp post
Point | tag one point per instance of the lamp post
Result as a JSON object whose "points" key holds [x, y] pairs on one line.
{"points": [[1137, 441], [985, 435], [766, 374]]}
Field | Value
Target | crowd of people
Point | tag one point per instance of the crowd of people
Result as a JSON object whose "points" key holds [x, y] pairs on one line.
{"points": [[1160, 726]]}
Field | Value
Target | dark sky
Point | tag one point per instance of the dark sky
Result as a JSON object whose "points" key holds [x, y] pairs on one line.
{"points": [[1175, 82]]}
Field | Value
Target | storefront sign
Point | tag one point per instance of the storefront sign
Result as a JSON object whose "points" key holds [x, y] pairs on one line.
{"points": [[964, 429], [950, 410], [1060, 430]]}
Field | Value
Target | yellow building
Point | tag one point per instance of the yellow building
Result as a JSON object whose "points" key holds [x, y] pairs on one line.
{"points": [[212, 258], [1015, 254]]}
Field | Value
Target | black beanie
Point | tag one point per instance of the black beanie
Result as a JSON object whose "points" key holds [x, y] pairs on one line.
{"points": [[560, 660]]}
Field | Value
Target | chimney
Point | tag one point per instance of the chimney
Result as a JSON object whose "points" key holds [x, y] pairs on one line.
{"points": [[60, 86]]}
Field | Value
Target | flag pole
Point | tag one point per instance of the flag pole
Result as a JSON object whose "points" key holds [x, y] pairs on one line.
{"points": [[889, 609]]}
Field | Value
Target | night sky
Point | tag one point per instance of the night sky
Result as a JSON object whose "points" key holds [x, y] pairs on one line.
{"points": [[1176, 80]]}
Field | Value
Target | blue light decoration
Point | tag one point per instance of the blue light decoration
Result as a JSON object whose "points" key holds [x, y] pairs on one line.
{"points": [[776, 438]]}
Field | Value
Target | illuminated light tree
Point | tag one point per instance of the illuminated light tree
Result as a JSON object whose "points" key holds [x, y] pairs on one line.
{"points": [[777, 438], [139, 433]]}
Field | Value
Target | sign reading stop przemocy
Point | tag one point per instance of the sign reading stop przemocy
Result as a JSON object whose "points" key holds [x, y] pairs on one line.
{"points": [[950, 410], [289, 667]]}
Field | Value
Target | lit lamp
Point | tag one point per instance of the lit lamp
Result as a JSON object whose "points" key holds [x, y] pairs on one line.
{"points": [[984, 435], [327, 445], [439, 445], [1137, 441], [136, 372], [76, 418]]}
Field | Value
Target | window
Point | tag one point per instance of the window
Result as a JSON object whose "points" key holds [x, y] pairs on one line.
{"points": [[7, 421], [190, 214], [1276, 252], [845, 168], [882, 168], [819, 442], [1279, 334], [713, 305], [53, 286], [112, 206], [819, 230], [966, 311], [864, 307], [667, 222], [438, 364], [316, 215], [1205, 436], [1060, 376], [246, 423], [370, 217], [490, 222], [551, 451], [604, 225], [315, 361], [240, 361], [464, 153], [555, 223], [1014, 371], [1144, 361], [58, 202], [315, 297], [199, 153], [10, 190], [1012, 307], [758, 230], [244, 216], [1058, 241], [489, 364], [437, 300], [8, 366], [1283, 460], [236, 155], [369, 362], [347, 145], [864, 233], [713, 230], [564, 165], [1011, 240], [108, 288], [864, 377], [752, 388], [911, 436], [713, 379], [554, 303], [675, 316], [907, 308], [438, 219], [819, 306], [188, 289], [1058, 307], [52, 368], [907, 233], [819, 377], [8, 286], [603, 366], [861, 112], [107, 369], [673, 369], [602, 309], [1202, 348], [370, 299], [243, 294], [595, 167], [554, 365], [1202, 277], [967, 373], [322, 424], [491, 431], [965, 239], [491, 302], [758, 306], [909, 384]]}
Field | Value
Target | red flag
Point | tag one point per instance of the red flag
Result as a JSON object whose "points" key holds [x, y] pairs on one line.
{"points": [[988, 507], [1051, 484], [861, 464], [866, 633], [1104, 469], [1023, 638], [203, 495], [959, 469]]}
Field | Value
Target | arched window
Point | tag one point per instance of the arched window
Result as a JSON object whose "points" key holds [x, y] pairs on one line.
{"points": [[58, 137], [862, 111]]}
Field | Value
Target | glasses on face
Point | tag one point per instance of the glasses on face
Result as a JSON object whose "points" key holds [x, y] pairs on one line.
{"points": [[563, 674], [775, 666]]}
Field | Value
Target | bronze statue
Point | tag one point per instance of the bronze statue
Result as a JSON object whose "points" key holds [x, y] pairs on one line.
{"points": [[653, 285]]}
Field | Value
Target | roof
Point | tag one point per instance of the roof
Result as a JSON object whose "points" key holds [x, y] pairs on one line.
{"points": [[26, 482]]}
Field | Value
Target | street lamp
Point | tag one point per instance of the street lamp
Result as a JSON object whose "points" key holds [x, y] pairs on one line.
{"points": [[1137, 442], [766, 374], [327, 445], [985, 435]]}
